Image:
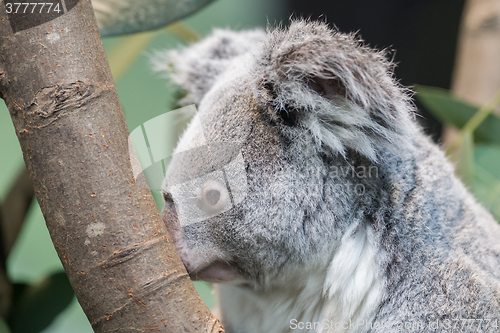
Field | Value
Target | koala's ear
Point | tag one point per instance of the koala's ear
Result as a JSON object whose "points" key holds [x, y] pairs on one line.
{"points": [[196, 67], [331, 84]]}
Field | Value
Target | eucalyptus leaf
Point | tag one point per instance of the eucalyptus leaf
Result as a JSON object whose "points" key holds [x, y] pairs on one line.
{"points": [[465, 164], [126, 52], [486, 181], [35, 307], [456, 112], [3, 327], [118, 17]]}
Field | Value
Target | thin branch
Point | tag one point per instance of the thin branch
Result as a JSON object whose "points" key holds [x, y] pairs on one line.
{"points": [[14, 209]]}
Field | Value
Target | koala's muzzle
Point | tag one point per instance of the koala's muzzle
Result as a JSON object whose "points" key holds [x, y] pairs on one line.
{"points": [[200, 267], [218, 271]]}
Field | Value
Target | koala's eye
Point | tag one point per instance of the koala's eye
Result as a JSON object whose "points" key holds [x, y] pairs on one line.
{"points": [[214, 196], [289, 116]]}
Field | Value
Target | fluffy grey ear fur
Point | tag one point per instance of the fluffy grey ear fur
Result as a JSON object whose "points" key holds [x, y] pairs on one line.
{"points": [[304, 78], [196, 67]]}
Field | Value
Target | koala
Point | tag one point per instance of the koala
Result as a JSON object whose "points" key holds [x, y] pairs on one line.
{"points": [[305, 189]]}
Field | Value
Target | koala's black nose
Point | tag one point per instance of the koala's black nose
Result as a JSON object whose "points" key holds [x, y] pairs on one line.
{"points": [[169, 202], [169, 216], [213, 197]]}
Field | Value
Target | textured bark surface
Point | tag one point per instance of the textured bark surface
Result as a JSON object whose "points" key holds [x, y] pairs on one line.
{"points": [[55, 80]]}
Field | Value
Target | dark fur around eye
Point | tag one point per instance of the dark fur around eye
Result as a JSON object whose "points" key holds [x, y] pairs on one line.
{"points": [[288, 115]]}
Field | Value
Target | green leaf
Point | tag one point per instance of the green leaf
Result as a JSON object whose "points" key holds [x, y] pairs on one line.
{"points": [[465, 164], [486, 181], [37, 306], [451, 110], [3, 327]]}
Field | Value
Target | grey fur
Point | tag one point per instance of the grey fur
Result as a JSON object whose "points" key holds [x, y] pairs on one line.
{"points": [[303, 105]]}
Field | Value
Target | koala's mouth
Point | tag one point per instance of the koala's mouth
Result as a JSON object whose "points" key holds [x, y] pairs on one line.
{"points": [[216, 272]]}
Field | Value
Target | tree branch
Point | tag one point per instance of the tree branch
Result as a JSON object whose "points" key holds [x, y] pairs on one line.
{"points": [[477, 68], [14, 209], [105, 226]]}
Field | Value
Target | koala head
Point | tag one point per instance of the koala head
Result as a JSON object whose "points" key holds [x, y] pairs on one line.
{"points": [[250, 195]]}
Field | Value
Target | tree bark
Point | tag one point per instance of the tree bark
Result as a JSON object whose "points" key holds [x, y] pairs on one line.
{"points": [[55, 80]]}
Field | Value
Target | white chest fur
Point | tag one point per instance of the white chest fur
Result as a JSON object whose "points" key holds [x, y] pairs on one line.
{"points": [[342, 297]]}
